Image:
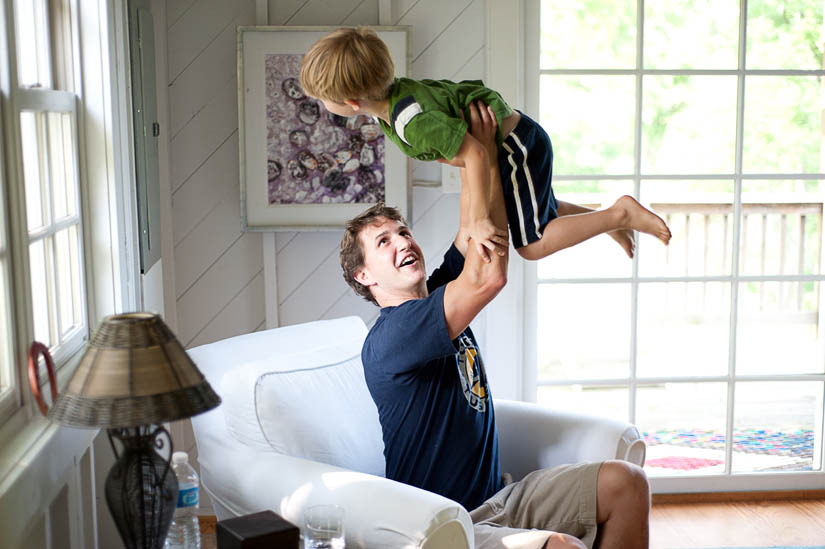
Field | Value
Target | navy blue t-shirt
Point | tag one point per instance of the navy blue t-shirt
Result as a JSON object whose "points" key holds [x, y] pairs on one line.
{"points": [[433, 400]]}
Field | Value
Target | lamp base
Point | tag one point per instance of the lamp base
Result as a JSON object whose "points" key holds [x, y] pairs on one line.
{"points": [[141, 488]]}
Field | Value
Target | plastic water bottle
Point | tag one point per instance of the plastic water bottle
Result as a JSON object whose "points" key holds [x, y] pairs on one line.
{"points": [[184, 532]]}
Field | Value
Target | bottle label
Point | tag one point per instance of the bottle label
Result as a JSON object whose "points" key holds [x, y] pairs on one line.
{"points": [[187, 496]]}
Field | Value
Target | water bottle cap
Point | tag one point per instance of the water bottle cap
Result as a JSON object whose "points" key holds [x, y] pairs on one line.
{"points": [[179, 457]]}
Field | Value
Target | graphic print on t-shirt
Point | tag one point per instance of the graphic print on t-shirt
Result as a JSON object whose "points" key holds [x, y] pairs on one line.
{"points": [[472, 374]]}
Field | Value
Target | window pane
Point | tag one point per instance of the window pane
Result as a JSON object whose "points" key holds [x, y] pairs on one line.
{"points": [[774, 425], [32, 43], [68, 279], [573, 316], [700, 217], [683, 329], [599, 257], [602, 401], [778, 320], [688, 124], [590, 120], [684, 427], [691, 34], [40, 292], [783, 124], [31, 169], [57, 164], [6, 374], [781, 227], [565, 22], [784, 35], [76, 259], [70, 169]]}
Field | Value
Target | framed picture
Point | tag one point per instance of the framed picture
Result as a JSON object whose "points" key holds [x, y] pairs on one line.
{"points": [[302, 167]]}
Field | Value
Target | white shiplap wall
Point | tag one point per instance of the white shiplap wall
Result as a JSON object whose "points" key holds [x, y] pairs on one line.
{"points": [[218, 269]]}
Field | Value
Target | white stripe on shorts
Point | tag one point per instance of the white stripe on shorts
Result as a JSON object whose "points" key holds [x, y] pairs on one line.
{"points": [[529, 185], [514, 181]]}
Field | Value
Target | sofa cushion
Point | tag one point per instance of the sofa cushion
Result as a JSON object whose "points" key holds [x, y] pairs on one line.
{"points": [[324, 413], [269, 404]]}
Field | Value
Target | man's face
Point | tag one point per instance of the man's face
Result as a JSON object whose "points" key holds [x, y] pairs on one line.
{"points": [[393, 262]]}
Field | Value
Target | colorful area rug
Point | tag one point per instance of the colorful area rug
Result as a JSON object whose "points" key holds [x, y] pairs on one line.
{"points": [[758, 441], [788, 450]]}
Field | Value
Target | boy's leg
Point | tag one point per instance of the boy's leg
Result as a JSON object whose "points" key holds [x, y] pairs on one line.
{"points": [[623, 237], [568, 230]]}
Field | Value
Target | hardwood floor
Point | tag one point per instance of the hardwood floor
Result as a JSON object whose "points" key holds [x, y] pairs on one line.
{"points": [[720, 523], [738, 523]]}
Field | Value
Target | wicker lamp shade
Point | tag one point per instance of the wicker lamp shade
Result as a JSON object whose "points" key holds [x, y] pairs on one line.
{"points": [[134, 372]]}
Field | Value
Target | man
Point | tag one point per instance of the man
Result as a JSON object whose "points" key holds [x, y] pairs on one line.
{"points": [[424, 371]]}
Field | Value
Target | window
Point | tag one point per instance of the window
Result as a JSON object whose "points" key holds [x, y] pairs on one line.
{"points": [[42, 157], [709, 112]]}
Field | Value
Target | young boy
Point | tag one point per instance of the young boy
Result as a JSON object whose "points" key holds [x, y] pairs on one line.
{"points": [[351, 72]]}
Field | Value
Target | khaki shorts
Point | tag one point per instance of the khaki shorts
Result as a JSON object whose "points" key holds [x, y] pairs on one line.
{"points": [[523, 514]]}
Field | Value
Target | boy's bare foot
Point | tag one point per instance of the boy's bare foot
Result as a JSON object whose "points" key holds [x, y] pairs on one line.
{"points": [[626, 239], [636, 217]]}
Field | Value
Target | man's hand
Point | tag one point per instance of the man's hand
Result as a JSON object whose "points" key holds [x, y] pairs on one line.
{"points": [[487, 236]]}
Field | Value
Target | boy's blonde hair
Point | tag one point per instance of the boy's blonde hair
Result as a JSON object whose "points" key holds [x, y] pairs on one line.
{"points": [[350, 63]]}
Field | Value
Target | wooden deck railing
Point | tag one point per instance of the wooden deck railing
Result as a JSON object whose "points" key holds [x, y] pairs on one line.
{"points": [[799, 242]]}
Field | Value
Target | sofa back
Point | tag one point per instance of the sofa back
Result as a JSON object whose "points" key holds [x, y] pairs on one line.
{"points": [[300, 391]]}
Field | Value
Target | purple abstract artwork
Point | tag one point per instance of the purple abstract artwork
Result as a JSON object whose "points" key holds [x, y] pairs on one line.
{"points": [[314, 156]]}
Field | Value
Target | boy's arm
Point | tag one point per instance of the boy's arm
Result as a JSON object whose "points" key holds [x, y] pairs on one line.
{"points": [[479, 281]]}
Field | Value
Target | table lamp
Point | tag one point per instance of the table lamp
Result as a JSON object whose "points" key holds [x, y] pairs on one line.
{"points": [[133, 377]]}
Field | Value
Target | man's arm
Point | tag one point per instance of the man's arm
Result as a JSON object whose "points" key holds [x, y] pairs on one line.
{"points": [[473, 157], [479, 281]]}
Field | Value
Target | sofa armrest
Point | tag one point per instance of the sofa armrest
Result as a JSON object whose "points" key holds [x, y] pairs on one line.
{"points": [[378, 512], [534, 437]]}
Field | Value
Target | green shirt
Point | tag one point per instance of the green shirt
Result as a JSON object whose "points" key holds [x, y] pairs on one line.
{"points": [[426, 123]]}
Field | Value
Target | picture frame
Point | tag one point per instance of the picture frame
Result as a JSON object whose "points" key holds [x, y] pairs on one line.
{"points": [[302, 168]]}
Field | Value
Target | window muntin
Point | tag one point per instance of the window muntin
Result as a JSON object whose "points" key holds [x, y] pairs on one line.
{"points": [[724, 140]]}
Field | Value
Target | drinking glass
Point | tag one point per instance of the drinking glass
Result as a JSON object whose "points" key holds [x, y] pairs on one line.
{"points": [[324, 527]]}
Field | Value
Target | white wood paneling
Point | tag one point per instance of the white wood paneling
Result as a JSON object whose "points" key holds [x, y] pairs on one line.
{"points": [[235, 318], [225, 278], [429, 19], [206, 243], [176, 8], [433, 63], [326, 12], [199, 25], [367, 10], [301, 256], [194, 88], [282, 11], [312, 299], [204, 134], [208, 187]]}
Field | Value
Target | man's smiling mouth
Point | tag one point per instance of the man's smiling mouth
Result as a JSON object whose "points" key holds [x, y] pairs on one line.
{"points": [[408, 261]]}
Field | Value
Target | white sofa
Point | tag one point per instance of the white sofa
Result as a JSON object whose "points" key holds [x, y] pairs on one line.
{"points": [[297, 427]]}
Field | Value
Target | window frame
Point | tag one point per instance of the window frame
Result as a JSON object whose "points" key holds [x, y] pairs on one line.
{"points": [[728, 481], [105, 197]]}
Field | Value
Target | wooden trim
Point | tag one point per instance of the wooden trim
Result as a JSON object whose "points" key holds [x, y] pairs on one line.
{"points": [[207, 523], [726, 497]]}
